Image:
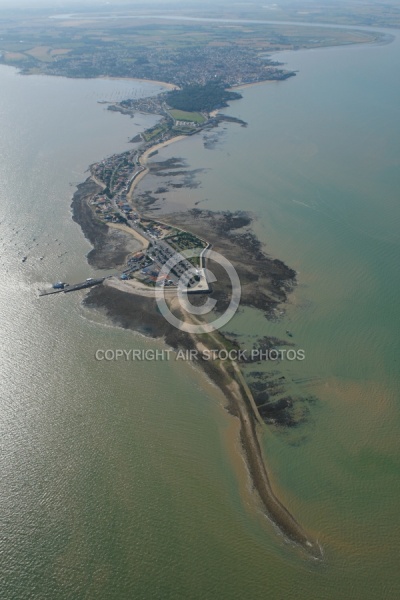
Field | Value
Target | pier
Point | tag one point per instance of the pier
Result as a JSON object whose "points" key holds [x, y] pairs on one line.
{"points": [[72, 288]]}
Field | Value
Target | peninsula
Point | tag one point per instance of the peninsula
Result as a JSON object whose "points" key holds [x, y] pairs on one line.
{"points": [[201, 63], [111, 217]]}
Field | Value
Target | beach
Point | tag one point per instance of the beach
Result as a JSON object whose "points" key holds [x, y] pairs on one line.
{"points": [[168, 86], [130, 231], [143, 161]]}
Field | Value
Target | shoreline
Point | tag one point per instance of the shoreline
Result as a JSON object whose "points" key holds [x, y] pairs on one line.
{"points": [[243, 86], [130, 231], [159, 146], [115, 302], [168, 86], [241, 404], [143, 161], [116, 299]]}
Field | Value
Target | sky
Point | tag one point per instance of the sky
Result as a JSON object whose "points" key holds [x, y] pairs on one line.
{"points": [[66, 4]]}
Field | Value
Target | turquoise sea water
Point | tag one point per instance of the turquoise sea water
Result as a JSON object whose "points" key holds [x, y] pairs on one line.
{"points": [[124, 480]]}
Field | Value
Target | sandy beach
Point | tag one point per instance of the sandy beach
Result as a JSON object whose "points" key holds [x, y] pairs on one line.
{"points": [[133, 286], [168, 86], [143, 161], [131, 231], [157, 147]]}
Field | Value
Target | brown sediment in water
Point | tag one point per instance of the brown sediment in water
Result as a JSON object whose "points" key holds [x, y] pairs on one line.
{"points": [[241, 404], [141, 314], [241, 401]]}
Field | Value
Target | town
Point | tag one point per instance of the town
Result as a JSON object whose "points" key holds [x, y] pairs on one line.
{"points": [[170, 256], [197, 60], [162, 260]]}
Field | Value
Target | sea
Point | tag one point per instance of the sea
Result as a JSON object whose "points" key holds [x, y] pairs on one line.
{"points": [[125, 479]]}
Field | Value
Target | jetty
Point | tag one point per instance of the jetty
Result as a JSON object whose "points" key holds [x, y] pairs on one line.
{"points": [[72, 288]]}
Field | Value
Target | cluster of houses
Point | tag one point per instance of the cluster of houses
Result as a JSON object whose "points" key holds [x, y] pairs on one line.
{"points": [[116, 174], [109, 212], [105, 209], [185, 124], [126, 208], [138, 261], [151, 276], [111, 206], [116, 171], [149, 271], [152, 229]]}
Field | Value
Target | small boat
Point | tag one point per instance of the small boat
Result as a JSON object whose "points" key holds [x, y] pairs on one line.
{"points": [[289, 333], [59, 285], [24, 258]]}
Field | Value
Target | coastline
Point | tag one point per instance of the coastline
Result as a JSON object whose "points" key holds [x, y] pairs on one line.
{"points": [[243, 86], [241, 404], [116, 299], [157, 147], [168, 86], [115, 302], [144, 243], [143, 160]]}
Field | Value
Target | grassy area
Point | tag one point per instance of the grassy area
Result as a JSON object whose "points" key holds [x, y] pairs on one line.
{"points": [[154, 132], [40, 53], [183, 115]]}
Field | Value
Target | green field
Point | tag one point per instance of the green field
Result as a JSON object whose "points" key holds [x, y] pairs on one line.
{"points": [[183, 115], [150, 134]]}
